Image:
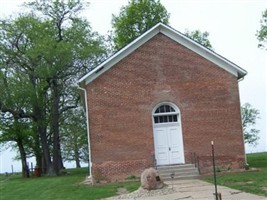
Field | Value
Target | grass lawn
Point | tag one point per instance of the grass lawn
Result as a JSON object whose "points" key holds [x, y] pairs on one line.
{"points": [[66, 187], [252, 182]]}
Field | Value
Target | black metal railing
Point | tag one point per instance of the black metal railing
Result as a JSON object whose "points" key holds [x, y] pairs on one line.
{"points": [[195, 160]]}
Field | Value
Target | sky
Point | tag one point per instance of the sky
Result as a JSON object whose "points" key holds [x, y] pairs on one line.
{"points": [[232, 26]]}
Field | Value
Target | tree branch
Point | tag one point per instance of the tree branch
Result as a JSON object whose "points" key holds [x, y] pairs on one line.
{"points": [[67, 108], [16, 113]]}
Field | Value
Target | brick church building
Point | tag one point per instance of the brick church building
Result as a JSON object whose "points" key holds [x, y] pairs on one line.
{"points": [[160, 100]]}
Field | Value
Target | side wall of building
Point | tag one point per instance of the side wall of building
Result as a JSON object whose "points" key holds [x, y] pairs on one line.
{"points": [[122, 99]]}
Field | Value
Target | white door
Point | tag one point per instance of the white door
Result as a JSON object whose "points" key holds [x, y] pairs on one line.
{"points": [[168, 145]]}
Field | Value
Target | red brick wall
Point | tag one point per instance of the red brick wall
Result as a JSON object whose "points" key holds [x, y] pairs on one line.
{"points": [[122, 99]]}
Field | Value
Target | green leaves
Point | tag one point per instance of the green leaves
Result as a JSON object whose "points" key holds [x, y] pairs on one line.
{"points": [[262, 33], [136, 18], [57, 10], [42, 54], [249, 117], [200, 37], [74, 136]]}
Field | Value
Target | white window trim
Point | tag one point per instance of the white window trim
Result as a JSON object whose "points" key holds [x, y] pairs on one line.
{"points": [[177, 112]]}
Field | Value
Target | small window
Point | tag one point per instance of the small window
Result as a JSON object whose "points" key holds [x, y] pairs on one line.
{"points": [[156, 119], [175, 118], [161, 119], [165, 114], [165, 109], [165, 119]]}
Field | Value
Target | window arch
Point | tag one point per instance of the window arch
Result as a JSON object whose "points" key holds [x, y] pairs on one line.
{"points": [[165, 113]]}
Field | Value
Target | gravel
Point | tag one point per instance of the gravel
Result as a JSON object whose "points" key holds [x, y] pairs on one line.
{"points": [[142, 193]]}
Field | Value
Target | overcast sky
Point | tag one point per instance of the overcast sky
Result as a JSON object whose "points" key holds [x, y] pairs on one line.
{"points": [[232, 26]]}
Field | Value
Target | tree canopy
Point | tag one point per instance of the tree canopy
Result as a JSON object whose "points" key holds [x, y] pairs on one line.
{"points": [[200, 37], [42, 54], [74, 137], [136, 18], [262, 33], [249, 117]]}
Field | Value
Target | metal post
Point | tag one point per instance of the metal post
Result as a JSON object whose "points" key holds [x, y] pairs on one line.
{"points": [[172, 176], [214, 170], [32, 167], [195, 159]]}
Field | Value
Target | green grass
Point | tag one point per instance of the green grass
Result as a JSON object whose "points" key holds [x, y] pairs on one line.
{"points": [[66, 187], [258, 160], [249, 181], [69, 187]]}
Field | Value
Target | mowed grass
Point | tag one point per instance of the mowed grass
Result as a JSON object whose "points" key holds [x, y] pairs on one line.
{"points": [[249, 181], [258, 160], [67, 187]]}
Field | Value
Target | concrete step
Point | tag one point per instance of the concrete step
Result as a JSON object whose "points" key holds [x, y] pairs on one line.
{"points": [[187, 171]]}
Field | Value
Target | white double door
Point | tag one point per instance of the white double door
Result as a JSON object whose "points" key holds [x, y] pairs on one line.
{"points": [[168, 141]]}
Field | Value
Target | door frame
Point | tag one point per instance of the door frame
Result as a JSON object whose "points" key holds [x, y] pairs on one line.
{"points": [[177, 124]]}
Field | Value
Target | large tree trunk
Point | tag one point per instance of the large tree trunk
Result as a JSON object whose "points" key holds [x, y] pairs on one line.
{"points": [[49, 170], [25, 167], [55, 126], [39, 118], [77, 156], [41, 127], [60, 164], [38, 157], [37, 150]]}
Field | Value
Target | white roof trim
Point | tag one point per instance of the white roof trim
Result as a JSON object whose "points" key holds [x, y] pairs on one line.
{"points": [[176, 36]]}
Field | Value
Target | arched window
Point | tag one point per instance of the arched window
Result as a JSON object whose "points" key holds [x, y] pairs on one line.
{"points": [[165, 114]]}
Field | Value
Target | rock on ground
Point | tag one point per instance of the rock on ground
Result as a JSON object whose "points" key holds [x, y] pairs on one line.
{"points": [[151, 180]]}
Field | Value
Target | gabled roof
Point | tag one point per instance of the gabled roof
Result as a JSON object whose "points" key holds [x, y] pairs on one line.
{"points": [[174, 35]]}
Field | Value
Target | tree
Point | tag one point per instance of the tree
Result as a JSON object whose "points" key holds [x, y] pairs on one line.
{"points": [[200, 37], [45, 52], [136, 18], [17, 130], [16, 125], [74, 137], [262, 33], [249, 117]]}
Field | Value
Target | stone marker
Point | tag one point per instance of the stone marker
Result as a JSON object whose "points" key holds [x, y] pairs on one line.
{"points": [[151, 180]]}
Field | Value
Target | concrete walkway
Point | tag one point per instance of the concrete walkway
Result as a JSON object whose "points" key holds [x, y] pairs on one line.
{"points": [[197, 189], [188, 190]]}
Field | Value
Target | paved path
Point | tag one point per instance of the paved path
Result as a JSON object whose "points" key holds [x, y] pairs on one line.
{"points": [[197, 189], [193, 189]]}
